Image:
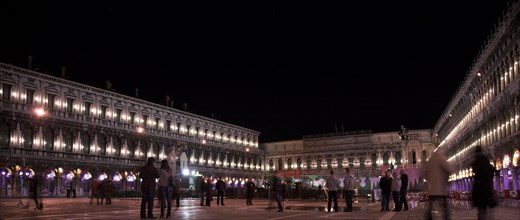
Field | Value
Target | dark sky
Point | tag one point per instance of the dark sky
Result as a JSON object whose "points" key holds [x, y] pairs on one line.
{"points": [[285, 70]]}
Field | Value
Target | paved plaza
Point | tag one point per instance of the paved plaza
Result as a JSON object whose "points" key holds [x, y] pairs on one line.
{"points": [[128, 208]]}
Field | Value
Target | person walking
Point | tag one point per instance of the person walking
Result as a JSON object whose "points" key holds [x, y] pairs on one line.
{"points": [[396, 192], [348, 189], [148, 174], [275, 191], [35, 190], [482, 192], [250, 187], [220, 186], [437, 172], [165, 179], [332, 183], [403, 191], [385, 183]]}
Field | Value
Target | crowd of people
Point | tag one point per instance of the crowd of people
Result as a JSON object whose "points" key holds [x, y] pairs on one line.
{"points": [[393, 185]]}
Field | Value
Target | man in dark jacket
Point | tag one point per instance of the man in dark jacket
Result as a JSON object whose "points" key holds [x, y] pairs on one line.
{"points": [[386, 189], [220, 186], [482, 192], [250, 190], [404, 190], [148, 174]]}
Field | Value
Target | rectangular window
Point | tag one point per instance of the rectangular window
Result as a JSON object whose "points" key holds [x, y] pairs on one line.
{"points": [[50, 101], [70, 103], [168, 125], [118, 115], [86, 111], [6, 92], [29, 97], [145, 119], [157, 123], [104, 112], [132, 117]]}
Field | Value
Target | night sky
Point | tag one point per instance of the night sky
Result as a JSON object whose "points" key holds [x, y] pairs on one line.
{"points": [[285, 70]]}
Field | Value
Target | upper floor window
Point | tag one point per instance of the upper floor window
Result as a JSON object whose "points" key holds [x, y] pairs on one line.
{"points": [[103, 112], [157, 123], [118, 115], [145, 119], [50, 101], [168, 125], [6, 92], [29, 97], [132, 117], [86, 111], [70, 103]]}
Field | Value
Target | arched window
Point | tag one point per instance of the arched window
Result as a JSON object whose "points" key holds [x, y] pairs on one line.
{"points": [[299, 162], [280, 164], [289, 163]]}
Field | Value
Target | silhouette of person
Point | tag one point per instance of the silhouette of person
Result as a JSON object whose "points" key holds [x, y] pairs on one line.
{"points": [[148, 175], [250, 187], [276, 189], [403, 191], [332, 184], [482, 192], [385, 183], [348, 189], [220, 186], [35, 190], [437, 172], [165, 199]]}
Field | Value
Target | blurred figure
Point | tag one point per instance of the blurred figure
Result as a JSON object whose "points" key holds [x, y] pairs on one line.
{"points": [[403, 191], [482, 193], [437, 172], [332, 184], [35, 191], [94, 191], [283, 193], [275, 191], [165, 180], [202, 191], [176, 191], [348, 189], [220, 186], [105, 189], [208, 188], [386, 189], [148, 174], [250, 191], [396, 188]]}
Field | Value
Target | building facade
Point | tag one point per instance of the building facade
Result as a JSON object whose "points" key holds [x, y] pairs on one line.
{"points": [[73, 133], [485, 110], [367, 154]]}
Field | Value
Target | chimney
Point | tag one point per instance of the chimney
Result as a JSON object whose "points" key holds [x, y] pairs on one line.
{"points": [[171, 103], [213, 115], [167, 101], [109, 86], [136, 92], [29, 65], [185, 106], [63, 69]]}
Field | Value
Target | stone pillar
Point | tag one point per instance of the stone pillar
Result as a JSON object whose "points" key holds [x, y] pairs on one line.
{"points": [[506, 178]]}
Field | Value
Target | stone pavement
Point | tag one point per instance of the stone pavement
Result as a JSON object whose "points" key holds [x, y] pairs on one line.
{"points": [[128, 208]]}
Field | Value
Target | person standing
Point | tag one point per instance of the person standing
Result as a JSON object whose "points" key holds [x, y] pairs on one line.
{"points": [[176, 191], [250, 187], [396, 192], [148, 174], [386, 189], [403, 191], [202, 192], [348, 189], [332, 183], [209, 191], [482, 192], [165, 200], [437, 172], [220, 186]]}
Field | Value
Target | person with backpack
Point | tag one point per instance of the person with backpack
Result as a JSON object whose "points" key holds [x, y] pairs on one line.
{"points": [[165, 182]]}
